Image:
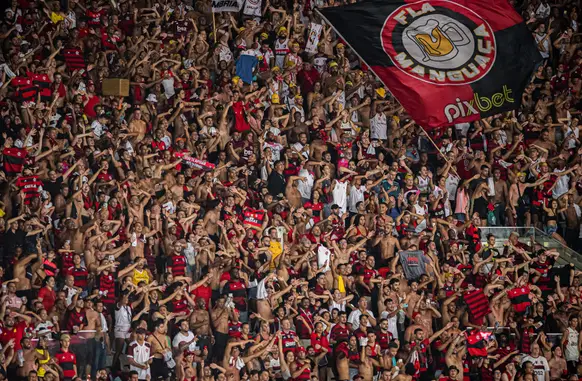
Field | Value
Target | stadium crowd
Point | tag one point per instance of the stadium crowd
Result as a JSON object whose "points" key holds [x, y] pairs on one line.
{"points": [[259, 207]]}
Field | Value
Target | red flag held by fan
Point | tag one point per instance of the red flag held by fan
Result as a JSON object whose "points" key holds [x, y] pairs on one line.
{"points": [[477, 342]]}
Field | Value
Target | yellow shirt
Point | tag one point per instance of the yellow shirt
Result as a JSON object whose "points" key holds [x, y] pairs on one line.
{"points": [[276, 250], [340, 284], [41, 372], [140, 276], [56, 18]]}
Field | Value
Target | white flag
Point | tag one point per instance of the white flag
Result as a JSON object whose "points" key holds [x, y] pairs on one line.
{"points": [[313, 39], [253, 8], [226, 5], [323, 257]]}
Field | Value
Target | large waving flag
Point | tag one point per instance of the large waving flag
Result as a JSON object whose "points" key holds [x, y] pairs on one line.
{"points": [[446, 62]]}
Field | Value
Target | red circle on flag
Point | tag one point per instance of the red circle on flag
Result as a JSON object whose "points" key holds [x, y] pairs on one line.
{"points": [[439, 42]]}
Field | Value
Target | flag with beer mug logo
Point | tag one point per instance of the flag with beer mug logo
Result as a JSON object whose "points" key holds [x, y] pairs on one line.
{"points": [[446, 62]]}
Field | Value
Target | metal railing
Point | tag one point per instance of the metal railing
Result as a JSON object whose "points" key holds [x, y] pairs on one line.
{"points": [[502, 233]]}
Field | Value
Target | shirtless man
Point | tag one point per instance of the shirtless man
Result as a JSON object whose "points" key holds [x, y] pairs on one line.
{"points": [[180, 187], [387, 243], [219, 315], [203, 188], [367, 364], [137, 127], [200, 319], [501, 196], [135, 206], [27, 358], [211, 219], [160, 344], [516, 193], [93, 334], [454, 356], [23, 269], [409, 372], [292, 193]]}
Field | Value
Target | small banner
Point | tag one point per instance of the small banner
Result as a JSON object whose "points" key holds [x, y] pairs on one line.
{"points": [[226, 6], [313, 39]]}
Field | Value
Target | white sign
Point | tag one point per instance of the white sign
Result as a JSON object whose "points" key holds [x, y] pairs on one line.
{"points": [[313, 39], [323, 257], [226, 5], [253, 8]]}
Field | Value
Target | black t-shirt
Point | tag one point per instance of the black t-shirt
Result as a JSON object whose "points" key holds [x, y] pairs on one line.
{"points": [[276, 184], [13, 240], [53, 187]]}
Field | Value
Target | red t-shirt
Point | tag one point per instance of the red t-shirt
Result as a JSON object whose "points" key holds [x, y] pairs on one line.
{"points": [[16, 333], [48, 298], [90, 106], [204, 292], [66, 361]]}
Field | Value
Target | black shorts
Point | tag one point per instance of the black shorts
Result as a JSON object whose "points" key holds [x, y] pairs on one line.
{"points": [[159, 369]]}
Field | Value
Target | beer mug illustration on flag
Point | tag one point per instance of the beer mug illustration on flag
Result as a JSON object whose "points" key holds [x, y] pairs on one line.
{"points": [[438, 42]]}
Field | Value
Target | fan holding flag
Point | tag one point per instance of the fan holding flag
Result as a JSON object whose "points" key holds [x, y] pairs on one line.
{"points": [[419, 346]]}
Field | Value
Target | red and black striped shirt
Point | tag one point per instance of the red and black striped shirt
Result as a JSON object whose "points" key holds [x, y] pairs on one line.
{"points": [[107, 288], [80, 274], [67, 361], [180, 305], [519, 297], [67, 261], [30, 186], [13, 160], [178, 265], [76, 319]]}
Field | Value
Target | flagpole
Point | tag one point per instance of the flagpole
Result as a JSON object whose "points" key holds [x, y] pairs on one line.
{"points": [[214, 27], [439, 151], [377, 76]]}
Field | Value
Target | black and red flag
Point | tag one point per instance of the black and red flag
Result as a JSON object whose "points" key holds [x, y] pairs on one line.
{"points": [[446, 62], [477, 342], [477, 303], [74, 59], [519, 298], [13, 160]]}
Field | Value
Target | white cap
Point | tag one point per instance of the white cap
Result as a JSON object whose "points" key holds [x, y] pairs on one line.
{"points": [[152, 98]]}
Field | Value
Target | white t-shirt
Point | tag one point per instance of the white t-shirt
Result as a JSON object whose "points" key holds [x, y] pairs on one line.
{"points": [[356, 195], [379, 127], [168, 84], [561, 184], [543, 11], [181, 338], [298, 146], [276, 149], [354, 318], [140, 354], [540, 365], [546, 45], [305, 187]]}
